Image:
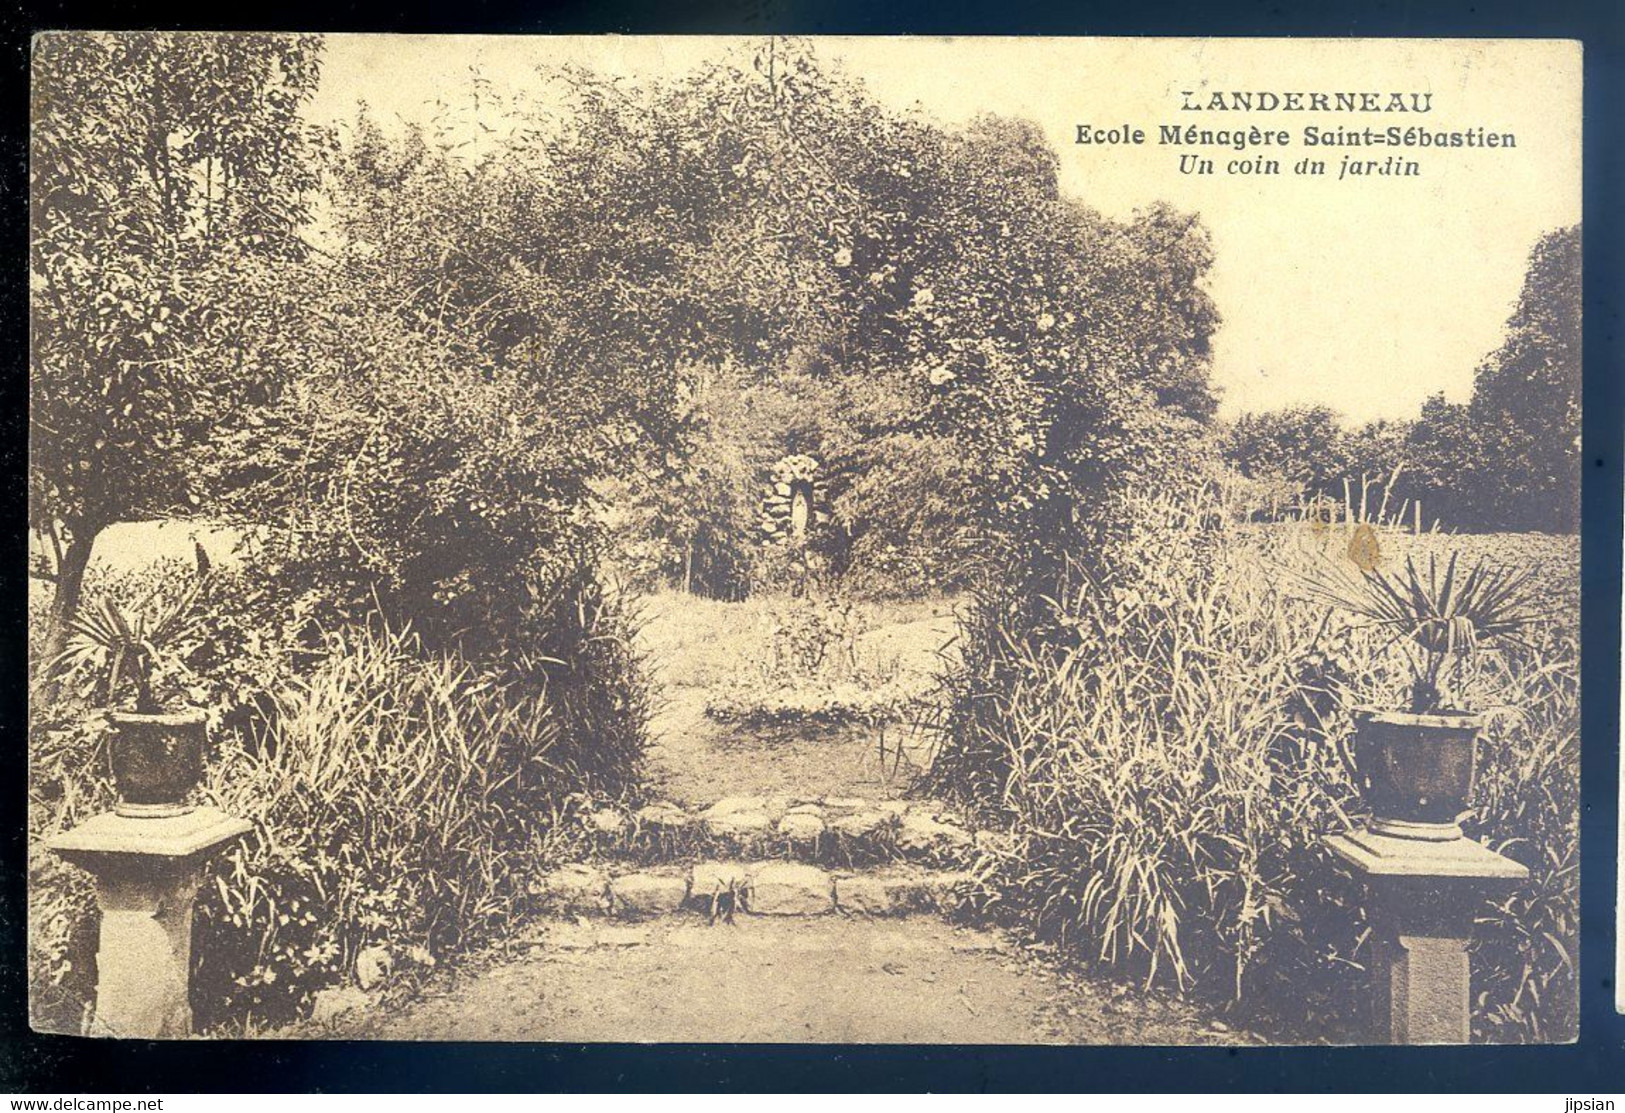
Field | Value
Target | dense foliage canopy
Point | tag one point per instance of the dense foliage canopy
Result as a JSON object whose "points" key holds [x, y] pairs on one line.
{"points": [[649, 296], [424, 360], [917, 307]]}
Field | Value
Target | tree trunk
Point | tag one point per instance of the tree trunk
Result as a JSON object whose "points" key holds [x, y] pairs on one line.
{"points": [[70, 582]]}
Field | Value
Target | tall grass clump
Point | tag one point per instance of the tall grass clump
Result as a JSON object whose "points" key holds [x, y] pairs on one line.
{"points": [[577, 644], [402, 798], [1159, 761], [398, 800], [1170, 748], [1527, 806]]}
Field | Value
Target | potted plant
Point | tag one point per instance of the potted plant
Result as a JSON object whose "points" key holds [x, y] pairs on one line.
{"points": [[120, 659], [1416, 763]]}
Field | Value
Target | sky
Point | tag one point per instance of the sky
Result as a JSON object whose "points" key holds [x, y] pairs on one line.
{"points": [[1364, 294]]}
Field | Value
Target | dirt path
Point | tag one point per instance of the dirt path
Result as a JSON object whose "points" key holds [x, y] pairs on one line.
{"points": [[694, 760], [825, 979], [696, 645]]}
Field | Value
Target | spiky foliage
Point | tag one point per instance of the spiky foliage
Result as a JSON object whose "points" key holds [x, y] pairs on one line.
{"points": [[112, 648], [1448, 616]]}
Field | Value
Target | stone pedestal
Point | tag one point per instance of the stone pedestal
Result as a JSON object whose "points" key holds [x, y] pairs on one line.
{"points": [[147, 875], [1423, 897]]}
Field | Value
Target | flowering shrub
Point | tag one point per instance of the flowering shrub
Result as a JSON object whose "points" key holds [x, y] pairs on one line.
{"points": [[835, 704], [811, 638]]}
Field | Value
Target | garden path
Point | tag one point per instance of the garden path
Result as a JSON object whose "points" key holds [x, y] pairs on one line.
{"points": [[837, 948], [825, 979]]}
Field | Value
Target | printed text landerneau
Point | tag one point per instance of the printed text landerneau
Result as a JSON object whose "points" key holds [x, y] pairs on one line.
{"points": [[1265, 100]]}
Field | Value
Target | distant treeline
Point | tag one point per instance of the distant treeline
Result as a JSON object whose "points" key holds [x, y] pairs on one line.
{"points": [[1507, 459]]}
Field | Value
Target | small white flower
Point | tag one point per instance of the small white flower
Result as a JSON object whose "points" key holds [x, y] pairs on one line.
{"points": [[843, 257], [923, 297], [1046, 322], [940, 375]]}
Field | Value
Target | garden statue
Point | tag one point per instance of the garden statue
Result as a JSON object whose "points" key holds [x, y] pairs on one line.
{"points": [[793, 502]]}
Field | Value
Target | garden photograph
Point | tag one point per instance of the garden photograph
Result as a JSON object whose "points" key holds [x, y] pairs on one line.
{"points": [[784, 540]]}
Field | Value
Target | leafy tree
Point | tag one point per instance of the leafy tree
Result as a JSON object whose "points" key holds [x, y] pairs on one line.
{"points": [[1507, 459], [168, 177], [408, 463], [1298, 444], [494, 338], [694, 522], [1526, 395], [1175, 253], [1375, 451], [1446, 449]]}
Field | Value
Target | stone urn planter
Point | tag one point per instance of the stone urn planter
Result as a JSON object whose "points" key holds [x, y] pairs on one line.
{"points": [[1415, 765], [156, 760], [1416, 770], [128, 662]]}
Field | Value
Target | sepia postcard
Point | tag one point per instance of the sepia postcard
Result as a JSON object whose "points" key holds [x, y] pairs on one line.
{"points": [[804, 540]]}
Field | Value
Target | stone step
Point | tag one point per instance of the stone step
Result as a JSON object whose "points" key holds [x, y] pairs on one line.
{"points": [[835, 831], [754, 888]]}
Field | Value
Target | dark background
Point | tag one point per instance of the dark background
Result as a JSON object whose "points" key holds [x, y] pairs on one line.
{"points": [[37, 1064]]}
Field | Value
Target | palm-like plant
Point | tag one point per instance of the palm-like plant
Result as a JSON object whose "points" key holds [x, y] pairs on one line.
{"points": [[1447, 615], [111, 649]]}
